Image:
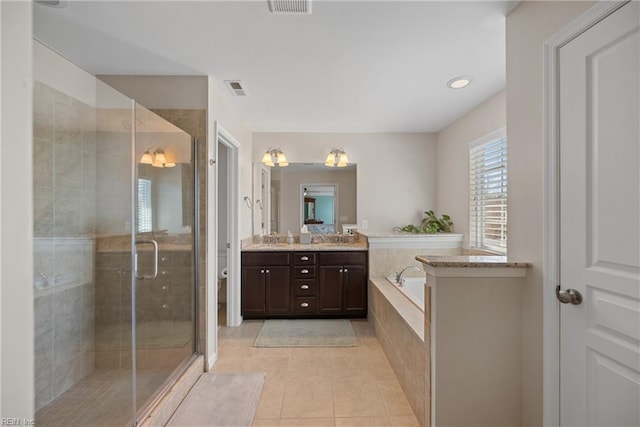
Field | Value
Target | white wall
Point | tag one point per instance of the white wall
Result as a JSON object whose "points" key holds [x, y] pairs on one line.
{"points": [[53, 70], [396, 172], [16, 212], [453, 158], [158, 92], [528, 26], [222, 109]]}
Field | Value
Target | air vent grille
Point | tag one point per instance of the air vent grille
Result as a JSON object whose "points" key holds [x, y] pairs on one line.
{"points": [[290, 7], [235, 86]]}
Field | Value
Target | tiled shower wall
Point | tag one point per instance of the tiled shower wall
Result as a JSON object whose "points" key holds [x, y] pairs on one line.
{"points": [[64, 173]]}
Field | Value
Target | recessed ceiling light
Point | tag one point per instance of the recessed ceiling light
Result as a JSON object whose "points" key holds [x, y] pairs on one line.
{"points": [[459, 82]]}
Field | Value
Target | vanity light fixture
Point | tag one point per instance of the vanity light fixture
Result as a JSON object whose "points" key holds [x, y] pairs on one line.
{"points": [[275, 157], [337, 157], [157, 159], [459, 82]]}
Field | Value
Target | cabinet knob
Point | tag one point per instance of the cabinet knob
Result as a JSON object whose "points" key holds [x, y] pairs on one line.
{"points": [[267, 271], [305, 271], [304, 258], [346, 269], [304, 287], [262, 271], [304, 304], [341, 270]]}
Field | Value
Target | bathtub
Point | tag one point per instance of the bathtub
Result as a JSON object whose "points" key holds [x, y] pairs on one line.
{"points": [[412, 289]]}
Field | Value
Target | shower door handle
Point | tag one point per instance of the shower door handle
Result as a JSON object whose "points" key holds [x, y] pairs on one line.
{"points": [[155, 260]]}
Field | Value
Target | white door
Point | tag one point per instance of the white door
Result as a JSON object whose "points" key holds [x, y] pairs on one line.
{"points": [[600, 223]]}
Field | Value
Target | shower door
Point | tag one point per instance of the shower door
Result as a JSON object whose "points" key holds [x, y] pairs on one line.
{"points": [[164, 264], [114, 320]]}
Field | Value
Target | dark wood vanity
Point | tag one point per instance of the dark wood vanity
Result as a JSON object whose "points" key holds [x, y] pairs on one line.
{"points": [[299, 284]]}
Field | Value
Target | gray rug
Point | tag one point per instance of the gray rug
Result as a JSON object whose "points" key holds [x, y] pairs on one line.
{"points": [[220, 400], [306, 333]]}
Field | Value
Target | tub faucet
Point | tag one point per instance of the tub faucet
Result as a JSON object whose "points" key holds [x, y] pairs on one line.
{"points": [[399, 279]]}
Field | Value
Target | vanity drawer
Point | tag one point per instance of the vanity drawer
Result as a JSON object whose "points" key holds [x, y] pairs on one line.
{"points": [[304, 258], [343, 258], [304, 287], [302, 272], [265, 258], [304, 305]]}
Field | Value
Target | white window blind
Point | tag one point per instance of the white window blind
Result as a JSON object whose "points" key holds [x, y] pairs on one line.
{"points": [[145, 213], [488, 191]]}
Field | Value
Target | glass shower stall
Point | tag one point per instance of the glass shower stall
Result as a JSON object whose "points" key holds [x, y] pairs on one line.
{"points": [[115, 220]]}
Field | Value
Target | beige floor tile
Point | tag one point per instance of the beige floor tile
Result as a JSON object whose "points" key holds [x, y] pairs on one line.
{"points": [[348, 369], [357, 399], [394, 398], [355, 351], [307, 352], [307, 422], [272, 366], [235, 348], [260, 422], [229, 365], [303, 367], [270, 405], [307, 399], [363, 422], [270, 352], [404, 421]]}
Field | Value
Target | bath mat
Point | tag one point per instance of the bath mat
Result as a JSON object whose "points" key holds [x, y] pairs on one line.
{"points": [[220, 400], [306, 333]]}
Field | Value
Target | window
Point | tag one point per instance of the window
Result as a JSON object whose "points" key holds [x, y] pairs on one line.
{"points": [[145, 212], [488, 193]]}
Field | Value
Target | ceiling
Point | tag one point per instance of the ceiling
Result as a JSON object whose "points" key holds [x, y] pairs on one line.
{"points": [[350, 66]]}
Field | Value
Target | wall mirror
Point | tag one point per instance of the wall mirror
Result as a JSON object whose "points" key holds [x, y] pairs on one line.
{"points": [[287, 199]]}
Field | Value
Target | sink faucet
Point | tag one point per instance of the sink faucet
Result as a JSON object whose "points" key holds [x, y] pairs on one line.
{"points": [[400, 279]]}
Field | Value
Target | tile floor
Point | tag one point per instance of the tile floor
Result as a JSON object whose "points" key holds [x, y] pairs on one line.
{"points": [[347, 386]]}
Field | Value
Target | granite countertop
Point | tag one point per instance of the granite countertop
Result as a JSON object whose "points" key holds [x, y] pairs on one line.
{"points": [[471, 261], [266, 247]]}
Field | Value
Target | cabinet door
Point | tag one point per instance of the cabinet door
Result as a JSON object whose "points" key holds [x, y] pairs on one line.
{"points": [[330, 289], [253, 291], [355, 289], [277, 290]]}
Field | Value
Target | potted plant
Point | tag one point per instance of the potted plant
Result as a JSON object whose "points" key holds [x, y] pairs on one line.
{"points": [[430, 224]]}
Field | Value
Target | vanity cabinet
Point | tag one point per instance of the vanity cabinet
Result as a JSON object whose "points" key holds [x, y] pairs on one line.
{"points": [[342, 283], [304, 284], [265, 284]]}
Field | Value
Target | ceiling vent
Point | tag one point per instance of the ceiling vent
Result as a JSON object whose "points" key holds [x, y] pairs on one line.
{"points": [[290, 7], [235, 86]]}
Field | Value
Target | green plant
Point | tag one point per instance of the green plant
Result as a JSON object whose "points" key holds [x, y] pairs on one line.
{"points": [[431, 224]]}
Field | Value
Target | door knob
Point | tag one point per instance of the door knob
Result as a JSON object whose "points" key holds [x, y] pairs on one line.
{"points": [[570, 296]]}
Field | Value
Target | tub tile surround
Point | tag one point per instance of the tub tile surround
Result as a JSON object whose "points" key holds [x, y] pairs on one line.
{"points": [[401, 327]]}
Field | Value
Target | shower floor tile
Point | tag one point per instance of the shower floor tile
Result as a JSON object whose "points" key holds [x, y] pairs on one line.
{"points": [[103, 398]]}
